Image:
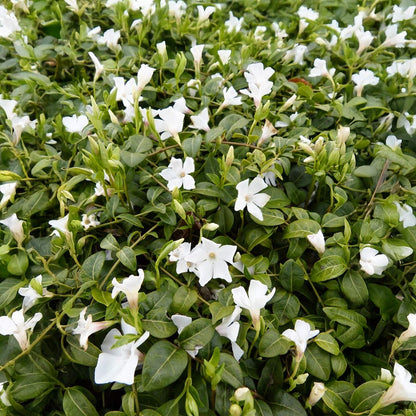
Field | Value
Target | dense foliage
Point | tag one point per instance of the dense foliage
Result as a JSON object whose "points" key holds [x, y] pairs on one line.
{"points": [[207, 208]]}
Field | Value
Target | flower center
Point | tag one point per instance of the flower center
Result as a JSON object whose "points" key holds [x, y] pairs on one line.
{"points": [[182, 174], [211, 255], [248, 198]]}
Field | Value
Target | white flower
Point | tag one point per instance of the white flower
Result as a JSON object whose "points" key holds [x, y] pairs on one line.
{"points": [[75, 124], [161, 49], [401, 389], [180, 105], [297, 53], [99, 67], [399, 14], [306, 13], [182, 321], [33, 292], [89, 221], [130, 286], [8, 191], [300, 336], [147, 7], [320, 69], [224, 55], [8, 23], [364, 40], [118, 364], [259, 32], [371, 262], [249, 196], [343, 133], [258, 82], [94, 33], [110, 38], [126, 91], [72, 5], [363, 78], [196, 52], [8, 106], [144, 76], [170, 123], [178, 174], [20, 124], [233, 24], [318, 241], [177, 8], [394, 39], [393, 142], [267, 131], [254, 301], [411, 330], [231, 97], [406, 215], [229, 328], [61, 226], [16, 227], [200, 121], [352, 29], [318, 390], [210, 261], [204, 14], [17, 327], [180, 255], [87, 327]]}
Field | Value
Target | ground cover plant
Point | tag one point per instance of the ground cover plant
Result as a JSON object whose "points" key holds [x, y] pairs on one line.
{"points": [[207, 208]]}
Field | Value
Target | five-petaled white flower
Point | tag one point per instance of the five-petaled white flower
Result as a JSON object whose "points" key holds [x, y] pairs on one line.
{"points": [[17, 326], [249, 196], [180, 255], [210, 261], [363, 78], [318, 241], [406, 215], [196, 52], [258, 82], [401, 389], [33, 292], [320, 69], [231, 97], [170, 123], [254, 301], [224, 55], [88, 221], [204, 14], [411, 330], [118, 364], [233, 24], [178, 174], [61, 226], [399, 14], [229, 328], [300, 336], [75, 124], [87, 327], [130, 286], [110, 38], [16, 227], [372, 262], [200, 121]]}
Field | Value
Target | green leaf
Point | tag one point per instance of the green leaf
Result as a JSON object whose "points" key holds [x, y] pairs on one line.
{"points": [[232, 373], [301, 228], [271, 376], [273, 344], [328, 343], [354, 288], [192, 145], [286, 307], [396, 248], [31, 385], [8, 290], [197, 334], [383, 298], [163, 364], [328, 268], [101, 296], [367, 395], [345, 317], [183, 299], [291, 276], [158, 323], [127, 257], [76, 404], [318, 362], [284, 404], [110, 243], [262, 408], [330, 220], [339, 364], [92, 266], [271, 217], [130, 219], [335, 402], [367, 171], [88, 357]]}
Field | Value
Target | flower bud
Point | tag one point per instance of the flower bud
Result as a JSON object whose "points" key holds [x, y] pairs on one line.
{"points": [[210, 227], [343, 133], [235, 410], [230, 156], [242, 394], [318, 390]]}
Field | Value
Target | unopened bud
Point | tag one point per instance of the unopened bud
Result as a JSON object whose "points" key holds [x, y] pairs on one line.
{"points": [[318, 390], [210, 227], [242, 394], [288, 103], [230, 156], [113, 118], [343, 134], [235, 410]]}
